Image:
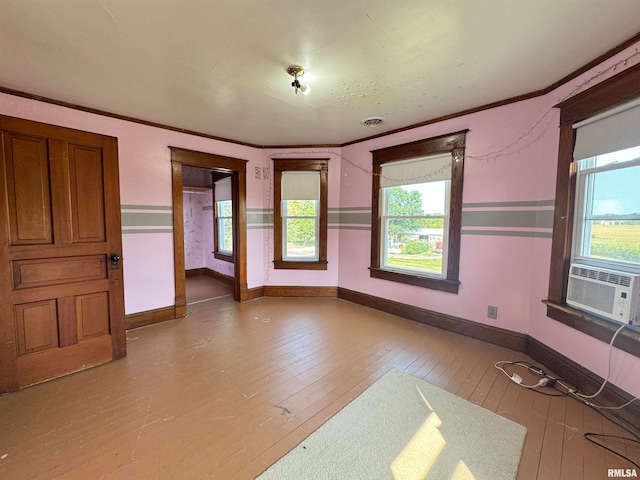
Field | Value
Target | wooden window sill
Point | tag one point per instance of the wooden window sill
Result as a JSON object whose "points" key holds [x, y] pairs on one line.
{"points": [[289, 265], [627, 340], [443, 285], [223, 256]]}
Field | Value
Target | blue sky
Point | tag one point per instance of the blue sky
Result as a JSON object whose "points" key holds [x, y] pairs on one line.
{"points": [[617, 191]]}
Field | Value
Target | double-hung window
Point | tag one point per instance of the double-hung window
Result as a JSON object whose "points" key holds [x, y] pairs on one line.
{"points": [[415, 221], [300, 214], [597, 205], [416, 212], [607, 205], [607, 218], [223, 220]]}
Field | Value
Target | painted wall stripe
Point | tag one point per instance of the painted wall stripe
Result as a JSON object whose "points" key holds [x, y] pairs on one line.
{"points": [[259, 218], [137, 219], [508, 218], [350, 218]]}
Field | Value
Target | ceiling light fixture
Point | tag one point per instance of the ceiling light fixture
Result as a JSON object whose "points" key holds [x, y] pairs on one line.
{"points": [[297, 71]]}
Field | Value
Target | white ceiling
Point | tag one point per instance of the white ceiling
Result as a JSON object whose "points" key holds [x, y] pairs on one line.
{"points": [[219, 66]]}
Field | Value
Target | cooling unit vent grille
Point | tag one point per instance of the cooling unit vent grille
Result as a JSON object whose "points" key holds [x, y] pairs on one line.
{"points": [[603, 276]]}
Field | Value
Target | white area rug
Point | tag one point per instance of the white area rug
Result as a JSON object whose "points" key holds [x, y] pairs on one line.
{"points": [[361, 441]]}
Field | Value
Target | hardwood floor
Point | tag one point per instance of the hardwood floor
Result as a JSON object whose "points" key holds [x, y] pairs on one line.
{"points": [[226, 391], [202, 288]]}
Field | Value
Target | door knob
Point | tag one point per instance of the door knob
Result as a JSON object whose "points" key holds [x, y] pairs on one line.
{"points": [[115, 259]]}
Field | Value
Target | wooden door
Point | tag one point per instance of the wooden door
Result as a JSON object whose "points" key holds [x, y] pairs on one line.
{"points": [[62, 305]]}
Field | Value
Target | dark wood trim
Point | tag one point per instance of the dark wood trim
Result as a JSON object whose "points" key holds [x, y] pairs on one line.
{"points": [[150, 317], [627, 340], [195, 272], [299, 291], [178, 241], [563, 217], [453, 143], [442, 285], [428, 146], [251, 293], [237, 168], [125, 118], [519, 98], [295, 164], [207, 272], [594, 63], [229, 280], [217, 254], [586, 381], [223, 256], [289, 265], [560, 365], [618, 89], [497, 336], [598, 60], [621, 88]]}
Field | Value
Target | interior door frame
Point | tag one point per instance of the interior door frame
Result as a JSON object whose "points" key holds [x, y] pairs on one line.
{"points": [[238, 168]]}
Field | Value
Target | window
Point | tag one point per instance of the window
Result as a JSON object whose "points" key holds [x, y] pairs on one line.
{"points": [[416, 208], [223, 220], [607, 226], [588, 219], [300, 214]]}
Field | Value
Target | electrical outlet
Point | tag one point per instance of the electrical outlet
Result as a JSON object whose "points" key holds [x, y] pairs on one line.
{"points": [[492, 312]]}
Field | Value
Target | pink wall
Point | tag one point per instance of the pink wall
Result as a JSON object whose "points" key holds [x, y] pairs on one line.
{"points": [[145, 180], [197, 233], [511, 157], [327, 277]]}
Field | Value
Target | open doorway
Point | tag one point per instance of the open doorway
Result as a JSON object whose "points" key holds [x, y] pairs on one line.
{"points": [[212, 169], [207, 199]]}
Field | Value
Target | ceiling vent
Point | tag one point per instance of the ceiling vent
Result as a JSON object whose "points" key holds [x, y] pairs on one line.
{"points": [[372, 122]]}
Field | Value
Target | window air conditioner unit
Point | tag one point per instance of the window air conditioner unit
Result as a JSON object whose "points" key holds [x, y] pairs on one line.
{"points": [[607, 293]]}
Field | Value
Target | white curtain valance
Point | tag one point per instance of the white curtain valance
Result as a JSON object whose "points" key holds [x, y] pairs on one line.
{"points": [[223, 189], [300, 186], [612, 130], [433, 168]]}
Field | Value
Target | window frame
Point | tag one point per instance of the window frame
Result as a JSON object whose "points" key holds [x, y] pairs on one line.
{"points": [[219, 219], [454, 144], [614, 91], [219, 254], [583, 215], [281, 165]]}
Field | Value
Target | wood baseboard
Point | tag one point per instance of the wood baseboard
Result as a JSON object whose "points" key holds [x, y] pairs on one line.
{"points": [[247, 294], [219, 276], [207, 272], [150, 317], [299, 291], [495, 335], [195, 272], [560, 365], [586, 381]]}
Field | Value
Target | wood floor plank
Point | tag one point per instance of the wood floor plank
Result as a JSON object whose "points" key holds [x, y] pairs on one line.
{"points": [[226, 391]]}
